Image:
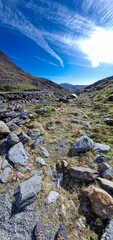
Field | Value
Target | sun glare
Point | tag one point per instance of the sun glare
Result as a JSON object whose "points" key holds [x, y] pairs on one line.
{"points": [[99, 47]]}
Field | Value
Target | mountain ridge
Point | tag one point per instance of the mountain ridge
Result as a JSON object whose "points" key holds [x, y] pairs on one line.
{"points": [[72, 87]]}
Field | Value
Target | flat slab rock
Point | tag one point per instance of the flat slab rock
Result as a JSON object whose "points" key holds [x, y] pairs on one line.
{"points": [[81, 145], [98, 147], [17, 154], [44, 151], [82, 173], [4, 175], [27, 191], [101, 201], [107, 184]]}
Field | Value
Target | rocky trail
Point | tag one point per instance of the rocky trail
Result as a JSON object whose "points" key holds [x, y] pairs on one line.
{"points": [[55, 169]]}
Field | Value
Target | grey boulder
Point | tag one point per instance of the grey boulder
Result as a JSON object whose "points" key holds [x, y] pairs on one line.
{"points": [[24, 138], [82, 173], [41, 161], [105, 170], [100, 159], [27, 191], [37, 142], [81, 145], [17, 154], [44, 151], [34, 135], [98, 147]]}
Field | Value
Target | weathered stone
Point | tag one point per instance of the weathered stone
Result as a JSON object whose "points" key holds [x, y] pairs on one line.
{"points": [[24, 138], [4, 164], [60, 146], [44, 151], [41, 161], [27, 191], [108, 121], [52, 197], [64, 163], [81, 145], [37, 142], [17, 154], [101, 159], [82, 173], [105, 170], [76, 121], [101, 201], [106, 184], [87, 125], [12, 139], [41, 110], [4, 175], [3, 128], [34, 135], [98, 147]]}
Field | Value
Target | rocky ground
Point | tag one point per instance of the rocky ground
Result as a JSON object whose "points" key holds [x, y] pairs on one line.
{"points": [[56, 167]]}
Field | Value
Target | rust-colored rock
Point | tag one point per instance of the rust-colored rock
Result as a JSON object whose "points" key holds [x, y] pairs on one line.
{"points": [[83, 173], [17, 131], [3, 128], [101, 201]]}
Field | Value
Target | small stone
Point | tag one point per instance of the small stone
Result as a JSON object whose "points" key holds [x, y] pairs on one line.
{"points": [[24, 138], [17, 154], [98, 147], [82, 173], [37, 142], [87, 125], [41, 110], [101, 159], [105, 170], [4, 164], [20, 175], [41, 161], [49, 172], [4, 175], [52, 197], [44, 151], [101, 201], [12, 139], [64, 164], [34, 135], [76, 121], [106, 184], [3, 128]]}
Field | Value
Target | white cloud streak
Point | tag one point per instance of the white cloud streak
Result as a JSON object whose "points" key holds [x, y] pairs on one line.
{"points": [[44, 60]]}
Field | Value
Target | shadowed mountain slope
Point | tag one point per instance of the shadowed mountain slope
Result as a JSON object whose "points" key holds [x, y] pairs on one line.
{"points": [[73, 87], [13, 78]]}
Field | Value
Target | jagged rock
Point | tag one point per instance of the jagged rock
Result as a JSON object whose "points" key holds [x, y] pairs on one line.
{"points": [[27, 191], [52, 197], [64, 163], [41, 110], [81, 145], [4, 128], [108, 232], [37, 142], [4, 164], [82, 173], [44, 151], [101, 159], [37, 172], [106, 184], [12, 139], [76, 121], [34, 135], [24, 138], [15, 129], [41, 161], [4, 175], [98, 147], [105, 170], [17, 154], [101, 201]]}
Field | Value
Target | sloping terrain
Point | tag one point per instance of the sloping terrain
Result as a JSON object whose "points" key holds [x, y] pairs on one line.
{"points": [[56, 126], [105, 80], [73, 87], [12, 78]]}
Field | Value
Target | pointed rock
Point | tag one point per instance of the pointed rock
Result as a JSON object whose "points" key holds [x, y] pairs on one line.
{"points": [[3, 128], [17, 154], [81, 145]]}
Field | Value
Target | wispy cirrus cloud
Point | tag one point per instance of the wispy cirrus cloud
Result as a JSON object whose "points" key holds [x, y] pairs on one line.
{"points": [[44, 60], [59, 28]]}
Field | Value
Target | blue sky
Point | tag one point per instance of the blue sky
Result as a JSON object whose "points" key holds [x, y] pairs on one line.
{"points": [[62, 40]]}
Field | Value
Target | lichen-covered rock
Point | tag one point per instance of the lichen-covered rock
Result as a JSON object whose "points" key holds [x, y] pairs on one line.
{"points": [[98, 147], [81, 145], [83, 173], [17, 154], [101, 201], [3, 128]]}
